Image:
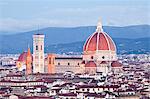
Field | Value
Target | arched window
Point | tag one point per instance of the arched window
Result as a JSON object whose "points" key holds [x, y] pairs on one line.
{"points": [[36, 47], [68, 63], [92, 57], [41, 47], [49, 60], [58, 63], [53, 61]]}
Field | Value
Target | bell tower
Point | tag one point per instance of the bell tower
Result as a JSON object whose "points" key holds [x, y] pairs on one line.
{"points": [[38, 53], [51, 63]]}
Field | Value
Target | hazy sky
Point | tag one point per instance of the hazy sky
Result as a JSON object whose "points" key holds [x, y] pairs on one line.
{"points": [[24, 15]]}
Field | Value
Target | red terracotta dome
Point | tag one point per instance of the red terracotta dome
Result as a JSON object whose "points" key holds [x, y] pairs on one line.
{"points": [[22, 57], [116, 64], [99, 41], [90, 64]]}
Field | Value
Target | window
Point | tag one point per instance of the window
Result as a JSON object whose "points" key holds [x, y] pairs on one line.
{"points": [[36, 57], [92, 57], [41, 47], [36, 47], [78, 64], [83, 62], [53, 61], [88, 89], [36, 64], [93, 89], [49, 60], [68, 63], [103, 57], [58, 63]]}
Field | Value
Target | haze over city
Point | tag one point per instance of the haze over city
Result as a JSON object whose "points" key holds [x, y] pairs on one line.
{"points": [[25, 15]]}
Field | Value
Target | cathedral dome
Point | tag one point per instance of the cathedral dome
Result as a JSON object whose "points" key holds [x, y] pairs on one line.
{"points": [[99, 46], [99, 40], [22, 57]]}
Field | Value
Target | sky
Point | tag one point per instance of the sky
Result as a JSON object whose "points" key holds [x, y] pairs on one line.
{"points": [[24, 15]]}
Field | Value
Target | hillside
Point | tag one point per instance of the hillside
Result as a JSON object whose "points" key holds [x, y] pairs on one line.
{"points": [[16, 43], [124, 46]]}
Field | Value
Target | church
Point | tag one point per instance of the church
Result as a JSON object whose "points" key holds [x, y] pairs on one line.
{"points": [[99, 56]]}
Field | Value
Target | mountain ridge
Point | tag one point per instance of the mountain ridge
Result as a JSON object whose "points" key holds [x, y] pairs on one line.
{"points": [[16, 43], [124, 46], [32, 30]]}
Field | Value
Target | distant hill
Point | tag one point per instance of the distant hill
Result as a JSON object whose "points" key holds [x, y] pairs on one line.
{"points": [[58, 36], [124, 46]]}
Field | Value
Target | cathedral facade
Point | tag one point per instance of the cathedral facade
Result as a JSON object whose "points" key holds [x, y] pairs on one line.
{"points": [[99, 53]]}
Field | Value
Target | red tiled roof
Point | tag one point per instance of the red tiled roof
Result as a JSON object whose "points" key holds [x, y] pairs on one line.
{"points": [[34, 97], [68, 94], [90, 64], [95, 86], [103, 62], [116, 64]]}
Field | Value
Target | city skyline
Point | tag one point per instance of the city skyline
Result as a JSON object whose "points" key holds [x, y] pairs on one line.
{"points": [[73, 49], [98, 73], [18, 16]]}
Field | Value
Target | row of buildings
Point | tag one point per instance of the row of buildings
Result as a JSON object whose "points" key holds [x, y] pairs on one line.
{"points": [[132, 82]]}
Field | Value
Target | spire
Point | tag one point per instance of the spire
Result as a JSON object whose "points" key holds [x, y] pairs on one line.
{"points": [[28, 46], [99, 26], [28, 61], [28, 52]]}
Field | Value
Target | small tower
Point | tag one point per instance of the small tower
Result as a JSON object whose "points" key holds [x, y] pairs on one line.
{"points": [[51, 63], [99, 26], [29, 62], [38, 53]]}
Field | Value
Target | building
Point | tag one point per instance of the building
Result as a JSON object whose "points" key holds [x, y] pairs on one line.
{"points": [[28, 62], [99, 51], [25, 62], [38, 53]]}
